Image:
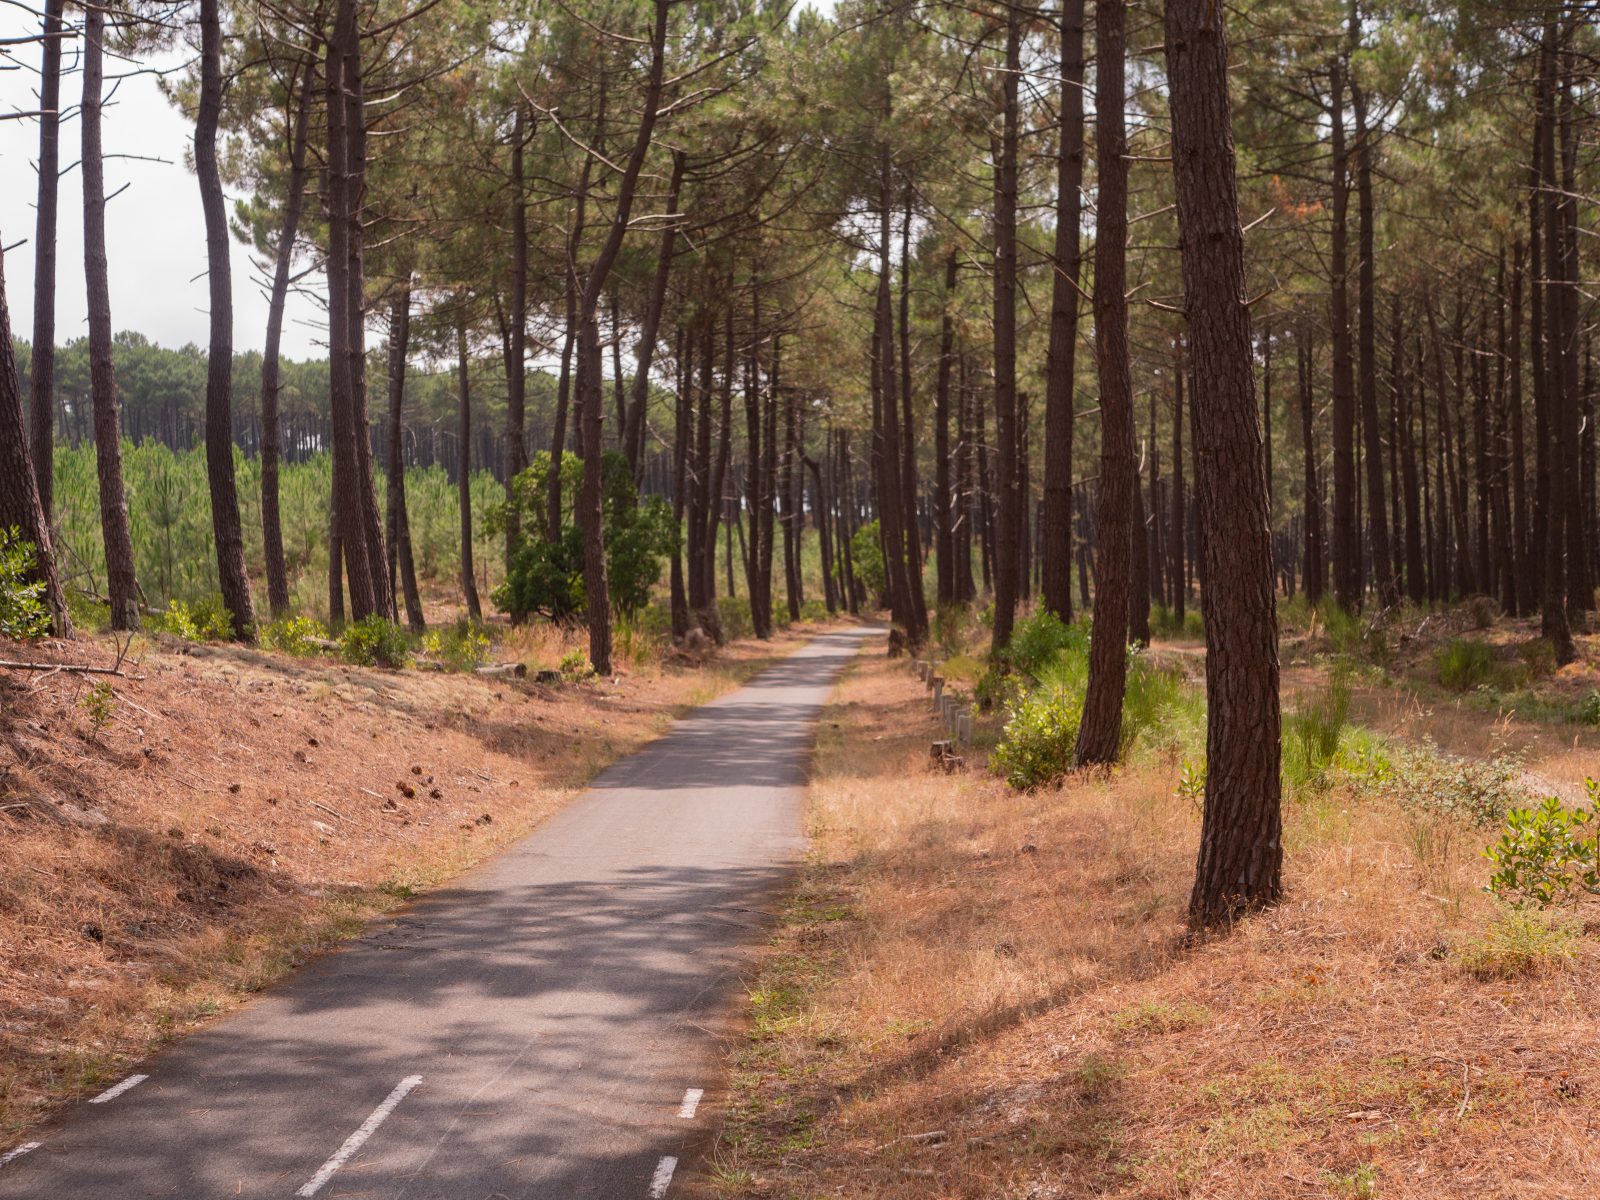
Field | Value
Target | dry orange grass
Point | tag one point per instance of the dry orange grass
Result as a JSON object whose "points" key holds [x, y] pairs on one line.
{"points": [[243, 811], [1005, 973]]}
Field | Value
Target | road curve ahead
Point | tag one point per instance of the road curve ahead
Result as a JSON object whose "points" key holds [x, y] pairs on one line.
{"points": [[541, 1029]]}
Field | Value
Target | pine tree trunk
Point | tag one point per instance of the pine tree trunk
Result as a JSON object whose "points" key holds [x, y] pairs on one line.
{"points": [[398, 540], [1008, 524], [1100, 731], [120, 580], [1346, 540], [41, 371], [1315, 564], [943, 536], [639, 402], [225, 524], [469, 579], [516, 345], [20, 505], [1176, 586], [1241, 847]]}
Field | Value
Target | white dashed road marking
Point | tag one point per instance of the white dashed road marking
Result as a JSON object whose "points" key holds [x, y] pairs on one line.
{"points": [[662, 1179], [132, 1081], [691, 1101], [11, 1156], [356, 1139]]}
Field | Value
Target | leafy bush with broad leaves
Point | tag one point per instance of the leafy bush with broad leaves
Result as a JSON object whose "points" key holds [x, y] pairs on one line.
{"points": [[575, 666], [1422, 779], [300, 636], [1042, 729], [1543, 856], [374, 641], [23, 615], [866, 555], [461, 646], [546, 578]]}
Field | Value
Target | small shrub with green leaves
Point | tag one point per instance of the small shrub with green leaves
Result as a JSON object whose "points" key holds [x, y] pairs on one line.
{"points": [[814, 611], [575, 665], [203, 621], [1037, 639], [1543, 857], [100, 703], [1588, 712], [299, 636], [1464, 664], [1042, 731], [461, 647], [1192, 783], [737, 622], [950, 628], [23, 615], [866, 553], [374, 641], [1421, 779]]}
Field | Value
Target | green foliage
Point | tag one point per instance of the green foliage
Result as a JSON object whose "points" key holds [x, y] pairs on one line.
{"points": [[205, 620], [866, 553], [1464, 664], [461, 646], [1543, 857], [100, 702], [1164, 622], [374, 641], [1421, 779], [1042, 728], [734, 613], [950, 626], [546, 578], [23, 615], [1192, 782], [1040, 638], [300, 636], [575, 666], [1588, 712], [814, 611]]}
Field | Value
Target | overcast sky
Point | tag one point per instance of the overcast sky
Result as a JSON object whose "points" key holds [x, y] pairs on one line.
{"points": [[155, 234]]}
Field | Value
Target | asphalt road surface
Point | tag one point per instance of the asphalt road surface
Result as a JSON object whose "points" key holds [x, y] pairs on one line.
{"points": [[544, 1028]]}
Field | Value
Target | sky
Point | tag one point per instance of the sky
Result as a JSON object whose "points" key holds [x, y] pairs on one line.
{"points": [[155, 234]]}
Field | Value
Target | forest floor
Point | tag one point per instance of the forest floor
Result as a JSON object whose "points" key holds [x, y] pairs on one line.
{"points": [[234, 812], [979, 992]]}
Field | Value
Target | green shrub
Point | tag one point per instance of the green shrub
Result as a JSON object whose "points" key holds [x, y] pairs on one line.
{"points": [[205, 620], [866, 554], [300, 636], [1165, 623], [814, 611], [100, 702], [1464, 664], [950, 628], [23, 615], [1542, 857], [1039, 638], [1588, 712], [1419, 778], [461, 647], [374, 642], [1042, 728], [1160, 709], [575, 666]]}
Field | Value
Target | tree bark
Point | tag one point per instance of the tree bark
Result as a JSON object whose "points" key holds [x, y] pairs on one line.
{"points": [[225, 524], [516, 343], [120, 580], [399, 531], [469, 579], [1008, 524], [41, 372], [1241, 845], [633, 434], [1346, 542], [1100, 732], [944, 542]]}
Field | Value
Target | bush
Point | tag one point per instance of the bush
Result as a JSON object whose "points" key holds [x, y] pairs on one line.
{"points": [[734, 612], [461, 647], [1039, 638], [1042, 728], [950, 628], [1462, 789], [374, 642], [23, 615], [1543, 858], [814, 611], [1518, 943], [203, 621], [1159, 707], [1464, 664], [866, 554], [1589, 710], [300, 636], [1164, 621], [1484, 611], [575, 666]]}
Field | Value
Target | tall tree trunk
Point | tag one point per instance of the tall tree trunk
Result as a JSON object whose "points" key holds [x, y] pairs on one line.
{"points": [[1522, 557], [1416, 582], [1580, 589], [1100, 732], [469, 579], [225, 524], [42, 369], [294, 202], [1315, 563], [20, 505], [121, 584], [1008, 526], [1176, 584], [886, 444], [516, 344], [680, 483], [908, 444], [639, 402], [1346, 541], [596, 585], [1055, 581], [564, 383], [961, 540], [1241, 845], [399, 530], [944, 541]]}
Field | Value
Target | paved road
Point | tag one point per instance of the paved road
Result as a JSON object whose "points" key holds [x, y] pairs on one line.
{"points": [[535, 1031]]}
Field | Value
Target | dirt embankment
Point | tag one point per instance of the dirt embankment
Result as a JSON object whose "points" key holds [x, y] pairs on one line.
{"points": [[220, 815]]}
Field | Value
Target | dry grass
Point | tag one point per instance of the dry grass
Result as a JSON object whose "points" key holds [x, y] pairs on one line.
{"points": [[1006, 974], [244, 811]]}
